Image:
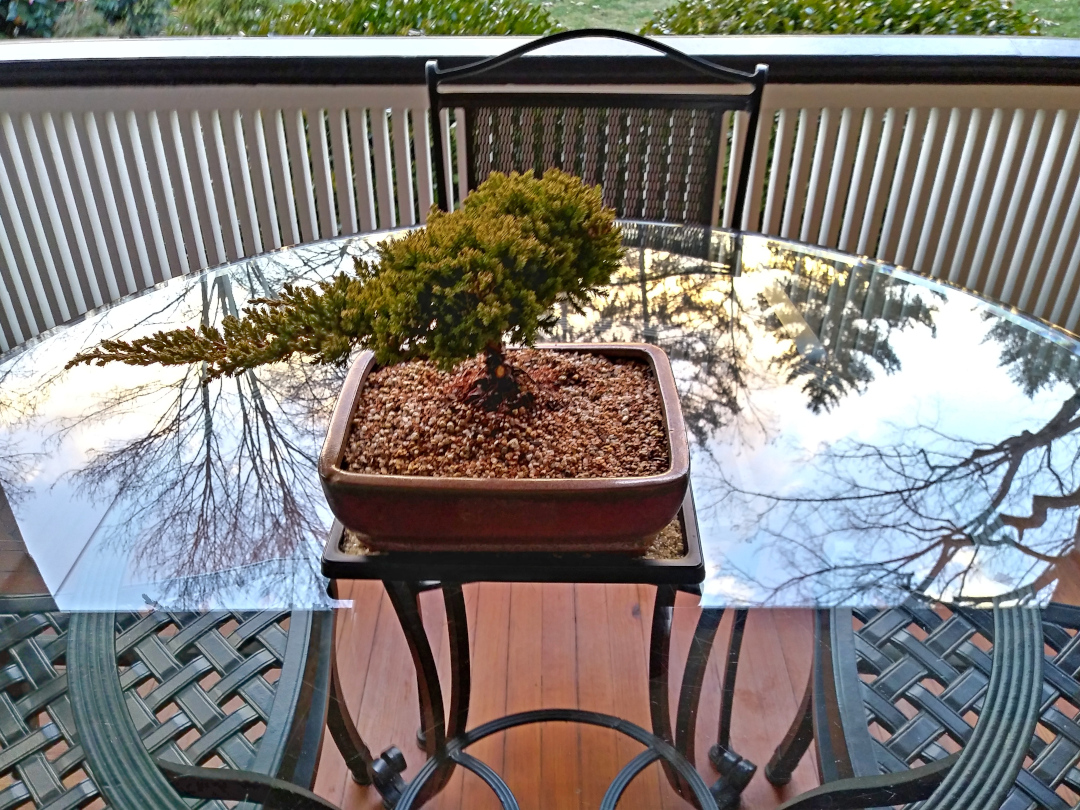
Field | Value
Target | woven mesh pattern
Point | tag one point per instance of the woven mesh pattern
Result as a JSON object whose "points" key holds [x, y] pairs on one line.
{"points": [[200, 689], [655, 164], [924, 676], [41, 762], [197, 683]]}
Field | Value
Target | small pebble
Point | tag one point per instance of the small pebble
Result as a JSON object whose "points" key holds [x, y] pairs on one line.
{"points": [[594, 418]]}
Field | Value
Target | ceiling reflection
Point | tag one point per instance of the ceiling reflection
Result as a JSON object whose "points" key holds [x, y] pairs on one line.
{"points": [[856, 433]]}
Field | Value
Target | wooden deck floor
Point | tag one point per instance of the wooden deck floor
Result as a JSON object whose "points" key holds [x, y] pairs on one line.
{"points": [[533, 646], [576, 646]]}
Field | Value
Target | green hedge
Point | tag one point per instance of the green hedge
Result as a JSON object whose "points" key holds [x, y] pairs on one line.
{"points": [[843, 17], [83, 18], [21, 18], [342, 17]]}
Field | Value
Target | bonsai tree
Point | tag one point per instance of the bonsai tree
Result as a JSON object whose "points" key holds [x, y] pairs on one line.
{"points": [[469, 282]]}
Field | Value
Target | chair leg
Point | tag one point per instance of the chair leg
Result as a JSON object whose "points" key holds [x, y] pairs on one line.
{"points": [[795, 743]]}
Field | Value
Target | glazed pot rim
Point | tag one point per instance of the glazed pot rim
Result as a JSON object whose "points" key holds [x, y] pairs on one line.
{"points": [[333, 450]]}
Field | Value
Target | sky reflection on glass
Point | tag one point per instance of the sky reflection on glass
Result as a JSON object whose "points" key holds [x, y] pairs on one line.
{"points": [[856, 432], [144, 482]]}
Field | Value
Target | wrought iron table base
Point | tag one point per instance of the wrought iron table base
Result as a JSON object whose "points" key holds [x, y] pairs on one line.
{"points": [[444, 739]]}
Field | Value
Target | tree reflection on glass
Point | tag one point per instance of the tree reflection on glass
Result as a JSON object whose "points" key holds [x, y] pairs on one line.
{"points": [[222, 489], [853, 314], [935, 509], [831, 324], [930, 505]]}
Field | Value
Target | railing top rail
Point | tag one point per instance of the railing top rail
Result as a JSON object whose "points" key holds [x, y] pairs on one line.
{"points": [[804, 59]]}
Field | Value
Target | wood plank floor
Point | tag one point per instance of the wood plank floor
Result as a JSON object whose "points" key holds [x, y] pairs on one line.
{"points": [[534, 646], [574, 646], [18, 572]]}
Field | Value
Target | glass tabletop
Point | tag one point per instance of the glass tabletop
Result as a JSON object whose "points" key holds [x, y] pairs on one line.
{"points": [[857, 432]]}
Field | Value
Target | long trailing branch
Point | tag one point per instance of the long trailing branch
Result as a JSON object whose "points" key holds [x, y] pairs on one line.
{"points": [[323, 322], [466, 282]]}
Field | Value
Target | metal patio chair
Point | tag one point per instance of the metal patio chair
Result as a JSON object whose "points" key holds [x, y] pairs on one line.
{"points": [[657, 150], [244, 693], [955, 708]]}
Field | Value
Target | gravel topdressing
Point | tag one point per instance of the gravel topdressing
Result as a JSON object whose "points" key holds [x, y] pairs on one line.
{"points": [[594, 418]]}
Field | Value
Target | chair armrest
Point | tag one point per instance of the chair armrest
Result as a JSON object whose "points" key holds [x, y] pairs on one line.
{"points": [[884, 790], [228, 784], [123, 770]]}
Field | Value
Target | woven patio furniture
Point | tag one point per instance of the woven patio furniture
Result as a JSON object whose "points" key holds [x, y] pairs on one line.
{"points": [[657, 150], [955, 707], [224, 705]]}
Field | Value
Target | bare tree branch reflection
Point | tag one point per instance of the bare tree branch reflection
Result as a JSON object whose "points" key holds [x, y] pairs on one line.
{"points": [[934, 510], [222, 489]]}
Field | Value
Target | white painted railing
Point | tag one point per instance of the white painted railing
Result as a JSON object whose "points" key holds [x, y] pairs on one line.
{"points": [[106, 190], [974, 184]]}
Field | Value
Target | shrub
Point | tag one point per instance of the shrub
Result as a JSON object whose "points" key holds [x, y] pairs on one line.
{"points": [[109, 18], [81, 19], [343, 17], [137, 18], [462, 284], [843, 17], [217, 17], [22, 18]]}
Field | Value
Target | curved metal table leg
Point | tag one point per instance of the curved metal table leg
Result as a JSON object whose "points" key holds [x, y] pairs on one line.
{"points": [[445, 738], [697, 791], [659, 665], [735, 772], [457, 627], [435, 726], [421, 738], [352, 747]]}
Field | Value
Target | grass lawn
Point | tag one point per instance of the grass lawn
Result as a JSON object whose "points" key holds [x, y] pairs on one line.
{"points": [[1064, 14], [630, 15]]}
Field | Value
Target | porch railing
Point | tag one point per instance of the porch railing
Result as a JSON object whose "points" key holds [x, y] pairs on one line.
{"points": [[125, 163]]}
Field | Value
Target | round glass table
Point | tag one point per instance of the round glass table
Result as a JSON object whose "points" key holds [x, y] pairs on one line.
{"points": [[895, 455]]}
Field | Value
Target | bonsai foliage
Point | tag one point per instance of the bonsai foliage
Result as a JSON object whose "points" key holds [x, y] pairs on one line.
{"points": [[470, 280]]}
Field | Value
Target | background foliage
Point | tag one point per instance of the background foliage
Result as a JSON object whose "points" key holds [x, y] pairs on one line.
{"points": [[88, 18], [346, 17], [843, 17], [23, 18], [84, 18]]}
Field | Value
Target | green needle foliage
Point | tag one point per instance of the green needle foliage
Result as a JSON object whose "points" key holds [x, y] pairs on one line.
{"points": [[467, 281], [843, 17]]}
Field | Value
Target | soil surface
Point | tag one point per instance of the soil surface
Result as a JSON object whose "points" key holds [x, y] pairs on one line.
{"points": [[668, 545], [593, 417]]}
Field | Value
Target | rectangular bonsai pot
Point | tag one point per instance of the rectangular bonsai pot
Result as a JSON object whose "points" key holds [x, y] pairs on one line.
{"points": [[421, 513]]}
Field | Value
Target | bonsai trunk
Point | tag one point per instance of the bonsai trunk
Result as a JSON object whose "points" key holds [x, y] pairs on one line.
{"points": [[500, 384]]}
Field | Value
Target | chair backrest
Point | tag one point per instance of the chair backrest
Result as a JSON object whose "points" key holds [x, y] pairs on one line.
{"points": [[657, 151]]}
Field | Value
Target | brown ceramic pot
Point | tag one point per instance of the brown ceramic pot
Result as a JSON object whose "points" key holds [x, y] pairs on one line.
{"points": [[420, 513]]}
